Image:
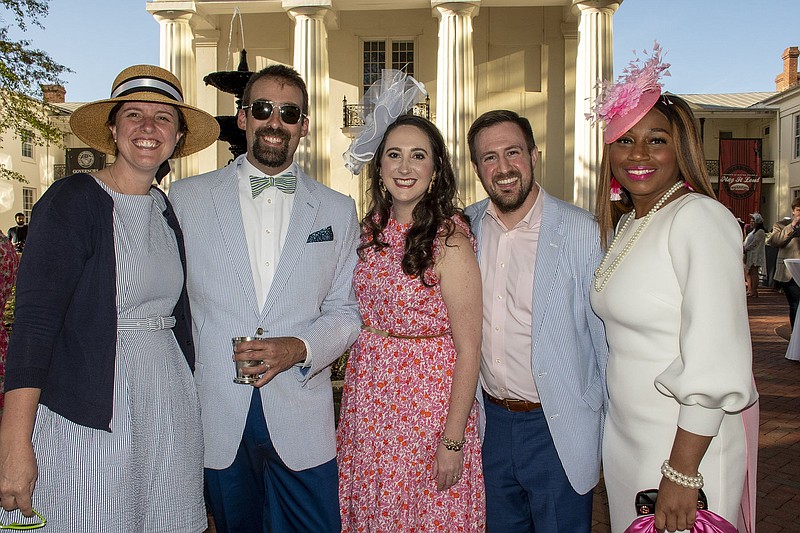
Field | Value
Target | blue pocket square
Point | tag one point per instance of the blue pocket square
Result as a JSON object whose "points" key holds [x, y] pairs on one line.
{"points": [[322, 235]]}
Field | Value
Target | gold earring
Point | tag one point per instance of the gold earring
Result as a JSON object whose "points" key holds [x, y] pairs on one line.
{"points": [[382, 186], [430, 186]]}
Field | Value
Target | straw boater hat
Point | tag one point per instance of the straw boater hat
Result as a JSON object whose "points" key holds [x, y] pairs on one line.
{"points": [[143, 83]]}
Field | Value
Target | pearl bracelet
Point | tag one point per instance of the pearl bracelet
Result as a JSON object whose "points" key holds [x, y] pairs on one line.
{"points": [[453, 445], [683, 480]]}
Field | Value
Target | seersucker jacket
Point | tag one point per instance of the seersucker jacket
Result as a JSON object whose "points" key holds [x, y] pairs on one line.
{"points": [[568, 344], [311, 297]]}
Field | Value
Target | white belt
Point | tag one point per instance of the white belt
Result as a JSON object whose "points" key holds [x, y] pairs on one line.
{"points": [[153, 323]]}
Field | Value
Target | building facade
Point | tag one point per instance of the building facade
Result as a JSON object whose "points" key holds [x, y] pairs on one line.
{"points": [[39, 164], [740, 116], [784, 133], [541, 58]]}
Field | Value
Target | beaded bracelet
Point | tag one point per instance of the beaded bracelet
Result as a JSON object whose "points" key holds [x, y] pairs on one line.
{"points": [[453, 445], [683, 480]]}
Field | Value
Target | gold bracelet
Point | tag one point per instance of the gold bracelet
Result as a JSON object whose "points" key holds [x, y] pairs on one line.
{"points": [[453, 445]]}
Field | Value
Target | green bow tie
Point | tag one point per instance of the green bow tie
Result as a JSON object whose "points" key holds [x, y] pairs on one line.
{"points": [[285, 182]]}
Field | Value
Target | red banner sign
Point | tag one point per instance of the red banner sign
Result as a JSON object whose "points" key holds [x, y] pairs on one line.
{"points": [[740, 176]]}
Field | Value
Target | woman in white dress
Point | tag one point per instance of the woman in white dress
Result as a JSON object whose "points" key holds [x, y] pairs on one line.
{"points": [[102, 424], [670, 293], [755, 256]]}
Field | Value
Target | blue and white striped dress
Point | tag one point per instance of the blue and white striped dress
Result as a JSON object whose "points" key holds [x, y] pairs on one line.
{"points": [[147, 474]]}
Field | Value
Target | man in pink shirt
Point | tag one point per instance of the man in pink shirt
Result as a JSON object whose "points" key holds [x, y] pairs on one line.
{"points": [[544, 351]]}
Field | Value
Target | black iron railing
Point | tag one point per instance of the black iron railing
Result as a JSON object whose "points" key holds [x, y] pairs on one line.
{"points": [[767, 168], [352, 113]]}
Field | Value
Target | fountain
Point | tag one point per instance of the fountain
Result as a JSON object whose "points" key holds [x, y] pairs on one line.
{"points": [[232, 82]]}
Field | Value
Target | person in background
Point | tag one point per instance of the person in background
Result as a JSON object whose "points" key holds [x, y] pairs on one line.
{"points": [[9, 262], [271, 253], [785, 237], [19, 233], [101, 430], [408, 443], [669, 290], [543, 353], [755, 257]]}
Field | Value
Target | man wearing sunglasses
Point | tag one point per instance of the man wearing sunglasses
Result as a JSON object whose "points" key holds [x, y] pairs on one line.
{"points": [[270, 253]]}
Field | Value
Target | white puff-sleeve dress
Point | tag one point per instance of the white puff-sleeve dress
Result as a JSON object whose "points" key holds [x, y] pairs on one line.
{"points": [[680, 354]]}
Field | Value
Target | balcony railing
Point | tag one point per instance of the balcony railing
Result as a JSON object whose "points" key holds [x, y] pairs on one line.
{"points": [[767, 168], [352, 113], [712, 167]]}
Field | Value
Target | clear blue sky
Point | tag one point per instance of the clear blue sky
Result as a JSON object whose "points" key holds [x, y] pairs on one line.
{"points": [[714, 46]]}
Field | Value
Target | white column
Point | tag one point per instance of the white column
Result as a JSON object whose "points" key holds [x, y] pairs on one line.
{"points": [[455, 87], [595, 62], [311, 61], [205, 46], [177, 56]]}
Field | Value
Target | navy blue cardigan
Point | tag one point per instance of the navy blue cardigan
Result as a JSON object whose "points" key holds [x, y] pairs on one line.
{"points": [[65, 329]]}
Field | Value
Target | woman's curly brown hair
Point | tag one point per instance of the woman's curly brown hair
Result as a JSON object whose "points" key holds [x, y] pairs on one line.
{"points": [[432, 214]]}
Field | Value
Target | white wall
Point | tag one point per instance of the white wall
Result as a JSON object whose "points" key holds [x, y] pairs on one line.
{"points": [[38, 170]]}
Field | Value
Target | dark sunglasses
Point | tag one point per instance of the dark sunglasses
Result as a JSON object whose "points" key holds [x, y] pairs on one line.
{"points": [[262, 110]]}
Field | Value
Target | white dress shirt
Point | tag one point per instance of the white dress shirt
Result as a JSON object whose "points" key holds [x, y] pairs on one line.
{"points": [[266, 223]]}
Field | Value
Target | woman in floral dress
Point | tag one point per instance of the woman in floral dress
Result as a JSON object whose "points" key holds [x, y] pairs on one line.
{"points": [[409, 451]]}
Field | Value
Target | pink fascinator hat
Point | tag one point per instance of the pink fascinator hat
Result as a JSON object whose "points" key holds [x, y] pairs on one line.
{"points": [[624, 103]]}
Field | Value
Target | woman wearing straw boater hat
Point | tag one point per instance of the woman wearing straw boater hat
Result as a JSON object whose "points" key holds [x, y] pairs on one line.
{"points": [[100, 404]]}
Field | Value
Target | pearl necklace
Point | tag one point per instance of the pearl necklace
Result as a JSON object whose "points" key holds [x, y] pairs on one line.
{"points": [[603, 274]]}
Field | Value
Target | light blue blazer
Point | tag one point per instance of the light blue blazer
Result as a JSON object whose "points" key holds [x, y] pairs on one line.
{"points": [[568, 344], [311, 297]]}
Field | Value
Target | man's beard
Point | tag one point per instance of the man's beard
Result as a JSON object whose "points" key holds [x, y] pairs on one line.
{"points": [[508, 202], [268, 155]]}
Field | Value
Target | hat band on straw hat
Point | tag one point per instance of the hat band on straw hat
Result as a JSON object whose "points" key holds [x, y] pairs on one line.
{"points": [[143, 83], [147, 85]]}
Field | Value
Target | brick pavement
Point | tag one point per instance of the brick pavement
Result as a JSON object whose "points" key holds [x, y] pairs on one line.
{"points": [[778, 382]]}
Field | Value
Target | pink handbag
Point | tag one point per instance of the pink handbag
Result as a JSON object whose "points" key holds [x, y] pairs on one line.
{"points": [[705, 522]]}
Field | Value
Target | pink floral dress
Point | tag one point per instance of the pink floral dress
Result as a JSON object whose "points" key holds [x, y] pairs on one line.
{"points": [[9, 261], [396, 395]]}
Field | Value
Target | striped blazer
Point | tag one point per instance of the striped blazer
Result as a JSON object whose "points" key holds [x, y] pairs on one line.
{"points": [[568, 344], [311, 297]]}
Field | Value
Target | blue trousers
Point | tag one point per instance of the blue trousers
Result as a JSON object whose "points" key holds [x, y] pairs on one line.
{"points": [[258, 493], [527, 489]]}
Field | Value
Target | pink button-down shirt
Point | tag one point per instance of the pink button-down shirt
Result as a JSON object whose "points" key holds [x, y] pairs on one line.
{"points": [[507, 262]]}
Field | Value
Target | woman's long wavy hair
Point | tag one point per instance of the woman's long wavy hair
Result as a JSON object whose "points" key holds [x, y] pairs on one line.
{"points": [[688, 152], [431, 215]]}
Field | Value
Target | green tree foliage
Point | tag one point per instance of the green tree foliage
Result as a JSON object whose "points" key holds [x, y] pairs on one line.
{"points": [[23, 70]]}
